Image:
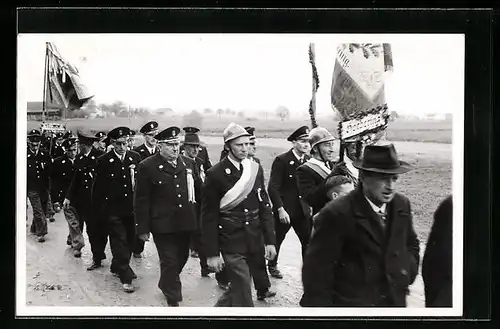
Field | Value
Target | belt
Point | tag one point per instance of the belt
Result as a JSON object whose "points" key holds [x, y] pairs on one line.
{"points": [[240, 216]]}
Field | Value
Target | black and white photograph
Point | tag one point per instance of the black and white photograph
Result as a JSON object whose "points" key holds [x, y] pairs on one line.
{"points": [[280, 175]]}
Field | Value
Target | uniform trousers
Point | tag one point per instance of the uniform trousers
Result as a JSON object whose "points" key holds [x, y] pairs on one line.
{"points": [[97, 231], [121, 240], [38, 201], [138, 245], [173, 252], [196, 246], [238, 269], [302, 227], [75, 225]]}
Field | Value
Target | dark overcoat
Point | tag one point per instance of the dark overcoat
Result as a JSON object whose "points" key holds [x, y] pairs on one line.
{"points": [[437, 263], [250, 223], [282, 187], [352, 262], [161, 202], [112, 193], [80, 190], [37, 175], [61, 174]]}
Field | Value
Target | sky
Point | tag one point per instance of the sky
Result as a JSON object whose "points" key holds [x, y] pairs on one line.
{"points": [[249, 72]]}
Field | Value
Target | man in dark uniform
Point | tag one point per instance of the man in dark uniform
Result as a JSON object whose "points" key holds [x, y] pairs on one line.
{"points": [[37, 179], [61, 174], [145, 150], [78, 202], [172, 221], [112, 198], [236, 220], [99, 144], [57, 147], [191, 150], [311, 175], [131, 140], [287, 207], [437, 265], [364, 251]]}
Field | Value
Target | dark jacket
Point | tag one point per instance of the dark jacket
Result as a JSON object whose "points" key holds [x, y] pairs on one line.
{"points": [[80, 190], [311, 188], [112, 191], [144, 152], [161, 197], [202, 156], [37, 175], [61, 174], [247, 227], [350, 261], [437, 262], [57, 151], [282, 185]]}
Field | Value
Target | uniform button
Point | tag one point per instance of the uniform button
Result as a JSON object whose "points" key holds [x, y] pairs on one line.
{"points": [[85, 181], [123, 168], [246, 223], [125, 185], [124, 176], [177, 185], [404, 272], [88, 187], [220, 226], [175, 176], [125, 194], [290, 176], [245, 210], [180, 206], [178, 195]]}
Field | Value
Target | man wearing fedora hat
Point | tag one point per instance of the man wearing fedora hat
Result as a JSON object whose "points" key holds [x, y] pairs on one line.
{"points": [[237, 219], [145, 150], [112, 199], [191, 147], [287, 209], [364, 250], [202, 149], [77, 204], [165, 202], [37, 179]]}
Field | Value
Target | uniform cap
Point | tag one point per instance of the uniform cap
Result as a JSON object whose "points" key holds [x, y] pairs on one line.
{"points": [[119, 132], [192, 139], [34, 135], [67, 143], [251, 131], [319, 135], [233, 131], [100, 134], [85, 139], [171, 134], [149, 127], [191, 130], [299, 133]]}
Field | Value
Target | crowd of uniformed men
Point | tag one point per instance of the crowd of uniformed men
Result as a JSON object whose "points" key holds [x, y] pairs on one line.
{"points": [[359, 247]]}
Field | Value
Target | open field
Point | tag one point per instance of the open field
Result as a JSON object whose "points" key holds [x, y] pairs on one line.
{"points": [[399, 130]]}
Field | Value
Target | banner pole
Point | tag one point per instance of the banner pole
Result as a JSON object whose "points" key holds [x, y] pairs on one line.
{"points": [[45, 76]]}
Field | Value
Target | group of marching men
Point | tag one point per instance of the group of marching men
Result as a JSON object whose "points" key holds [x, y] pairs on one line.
{"points": [[359, 247]]}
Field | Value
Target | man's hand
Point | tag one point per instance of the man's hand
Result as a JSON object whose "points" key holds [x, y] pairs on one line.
{"points": [[283, 216], [215, 263], [66, 203], [270, 252], [144, 237]]}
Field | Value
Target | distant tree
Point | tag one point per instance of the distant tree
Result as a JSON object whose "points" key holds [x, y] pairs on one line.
{"points": [[241, 114], [228, 111], [219, 113], [283, 113], [394, 115], [193, 119], [207, 111]]}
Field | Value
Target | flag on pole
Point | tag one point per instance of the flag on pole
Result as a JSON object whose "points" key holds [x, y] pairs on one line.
{"points": [[315, 86], [64, 85], [358, 92]]}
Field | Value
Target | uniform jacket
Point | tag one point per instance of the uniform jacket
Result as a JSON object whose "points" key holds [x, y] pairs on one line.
{"points": [[80, 190], [61, 174], [351, 262], [57, 151], [161, 197], [282, 185], [311, 188], [437, 263], [249, 225], [144, 152], [202, 156], [37, 165], [112, 193]]}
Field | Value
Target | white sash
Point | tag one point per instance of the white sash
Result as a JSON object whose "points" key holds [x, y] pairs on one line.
{"points": [[242, 187]]}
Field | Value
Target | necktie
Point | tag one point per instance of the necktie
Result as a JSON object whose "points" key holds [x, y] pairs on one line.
{"points": [[241, 168], [382, 218]]}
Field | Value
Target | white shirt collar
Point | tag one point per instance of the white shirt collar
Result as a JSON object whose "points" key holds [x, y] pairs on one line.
{"points": [[150, 149], [236, 164], [121, 157], [297, 156], [375, 208], [87, 154]]}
